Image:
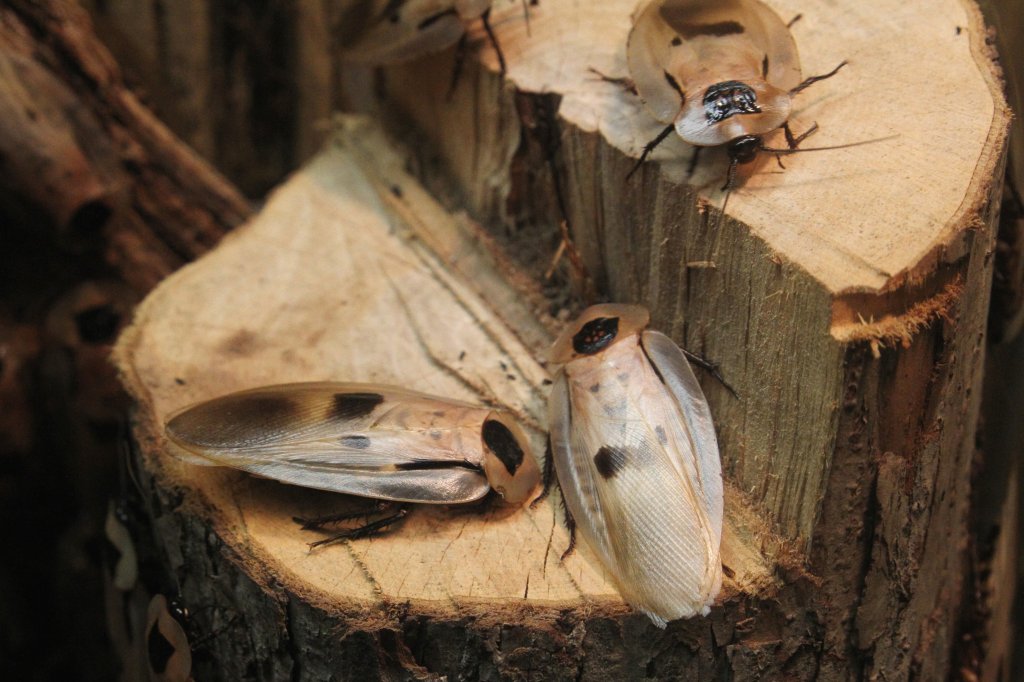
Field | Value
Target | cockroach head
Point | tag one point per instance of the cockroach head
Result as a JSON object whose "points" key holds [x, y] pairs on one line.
{"points": [[509, 464], [597, 328], [744, 149]]}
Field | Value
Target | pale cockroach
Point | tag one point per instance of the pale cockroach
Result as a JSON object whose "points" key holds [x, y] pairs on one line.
{"points": [[635, 453], [369, 440], [719, 72], [168, 651], [392, 31]]}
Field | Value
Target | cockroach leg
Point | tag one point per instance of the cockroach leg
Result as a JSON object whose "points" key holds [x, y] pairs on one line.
{"points": [[650, 147], [318, 522], [711, 368], [570, 524], [624, 82], [460, 61], [486, 18], [694, 160], [814, 79], [365, 531], [794, 141], [548, 476]]}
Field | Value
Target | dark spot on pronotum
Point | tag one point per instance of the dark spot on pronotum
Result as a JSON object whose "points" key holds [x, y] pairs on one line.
{"points": [[98, 324], [610, 460], [179, 381], [716, 30], [659, 431], [159, 649], [397, 191], [356, 442], [729, 98], [355, 405], [426, 23], [595, 335], [677, 41], [595, 388], [546, 382], [503, 444]]}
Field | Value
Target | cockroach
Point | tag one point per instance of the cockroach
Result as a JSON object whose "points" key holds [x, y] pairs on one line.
{"points": [[634, 450], [168, 651], [718, 72], [392, 31], [374, 441]]}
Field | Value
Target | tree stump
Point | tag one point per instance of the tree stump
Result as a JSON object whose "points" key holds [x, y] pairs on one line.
{"points": [[844, 296]]}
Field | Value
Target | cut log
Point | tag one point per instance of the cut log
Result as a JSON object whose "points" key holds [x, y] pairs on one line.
{"points": [[352, 273]]}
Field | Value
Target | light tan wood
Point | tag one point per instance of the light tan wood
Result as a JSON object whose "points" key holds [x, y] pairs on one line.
{"points": [[343, 277]]}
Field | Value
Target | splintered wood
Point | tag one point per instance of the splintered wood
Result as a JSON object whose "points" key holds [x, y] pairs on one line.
{"points": [[341, 278]]}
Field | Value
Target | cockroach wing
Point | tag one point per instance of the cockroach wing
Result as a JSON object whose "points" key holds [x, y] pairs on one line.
{"points": [[649, 53], [678, 376], [392, 31], [359, 439]]}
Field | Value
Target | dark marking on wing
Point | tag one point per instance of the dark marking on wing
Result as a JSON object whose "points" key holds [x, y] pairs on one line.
{"points": [[159, 649], [677, 41], [674, 84], [764, 67], [435, 434], [595, 388], [356, 442], [439, 413], [659, 430], [503, 444], [610, 460], [595, 335], [354, 405], [716, 30], [434, 18], [248, 408], [428, 464]]}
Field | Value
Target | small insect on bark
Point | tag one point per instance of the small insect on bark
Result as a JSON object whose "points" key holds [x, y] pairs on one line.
{"points": [[719, 72], [392, 31], [370, 440], [635, 453]]}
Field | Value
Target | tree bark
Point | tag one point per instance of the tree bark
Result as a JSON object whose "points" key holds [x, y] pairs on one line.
{"points": [[845, 297], [78, 148]]}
